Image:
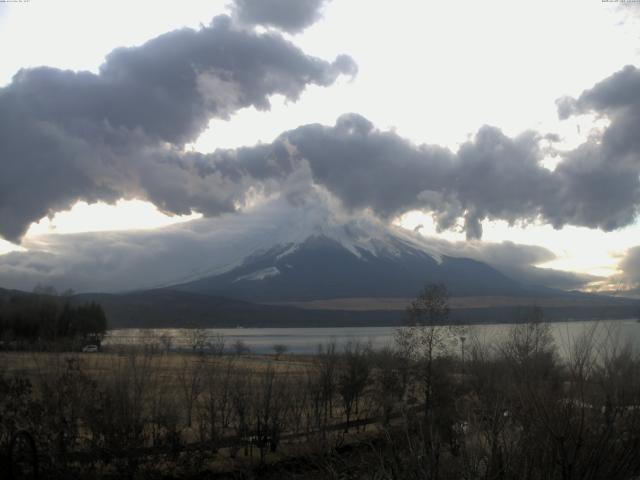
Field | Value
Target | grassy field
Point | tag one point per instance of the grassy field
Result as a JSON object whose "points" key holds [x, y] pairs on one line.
{"points": [[34, 364]]}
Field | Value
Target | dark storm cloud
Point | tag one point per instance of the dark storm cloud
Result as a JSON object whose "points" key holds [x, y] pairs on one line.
{"points": [[67, 136], [289, 15], [603, 173], [492, 176], [367, 168]]}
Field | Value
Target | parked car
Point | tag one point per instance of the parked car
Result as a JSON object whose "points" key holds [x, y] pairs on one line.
{"points": [[90, 348]]}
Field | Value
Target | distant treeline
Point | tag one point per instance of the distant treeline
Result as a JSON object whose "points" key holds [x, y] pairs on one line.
{"points": [[49, 317]]}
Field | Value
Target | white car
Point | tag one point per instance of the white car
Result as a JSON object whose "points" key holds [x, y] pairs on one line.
{"points": [[90, 349]]}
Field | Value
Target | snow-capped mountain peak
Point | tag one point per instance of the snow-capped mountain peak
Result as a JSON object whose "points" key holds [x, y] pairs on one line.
{"points": [[362, 237], [318, 257]]}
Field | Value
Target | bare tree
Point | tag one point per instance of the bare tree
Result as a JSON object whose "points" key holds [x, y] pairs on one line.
{"points": [[326, 362], [215, 405], [195, 338], [353, 377], [428, 333], [216, 344], [315, 413], [241, 395], [117, 413], [299, 396], [271, 406], [166, 341], [279, 349], [240, 347], [388, 381], [530, 346], [190, 380]]}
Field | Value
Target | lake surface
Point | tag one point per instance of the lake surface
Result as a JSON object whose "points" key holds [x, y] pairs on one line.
{"points": [[306, 340]]}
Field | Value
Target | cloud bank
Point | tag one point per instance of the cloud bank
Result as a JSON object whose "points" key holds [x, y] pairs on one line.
{"points": [[492, 176], [77, 136], [606, 170], [67, 136], [292, 16]]}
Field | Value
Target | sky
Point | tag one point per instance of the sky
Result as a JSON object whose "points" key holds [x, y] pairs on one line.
{"points": [[505, 131]]}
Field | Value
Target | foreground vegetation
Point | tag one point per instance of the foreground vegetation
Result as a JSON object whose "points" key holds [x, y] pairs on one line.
{"points": [[442, 404]]}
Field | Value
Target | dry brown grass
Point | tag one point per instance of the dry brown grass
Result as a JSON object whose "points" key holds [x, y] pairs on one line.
{"points": [[400, 304], [32, 364]]}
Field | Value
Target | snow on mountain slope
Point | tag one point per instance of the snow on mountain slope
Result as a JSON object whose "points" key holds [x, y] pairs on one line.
{"points": [[277, 224], [308, 259], [259, 275], [359, 237]]}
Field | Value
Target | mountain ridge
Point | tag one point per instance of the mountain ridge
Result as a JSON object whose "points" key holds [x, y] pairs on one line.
{"points": [[322, 267]]}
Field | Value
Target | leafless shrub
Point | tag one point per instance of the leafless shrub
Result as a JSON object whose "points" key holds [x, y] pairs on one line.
{"points": [[280, 349], [240, 347], [388, 380], [271, 405], [166, 341], [326, 363], [353, 377], [195, 338], [215, 406], [190, 381], [216, 344]]}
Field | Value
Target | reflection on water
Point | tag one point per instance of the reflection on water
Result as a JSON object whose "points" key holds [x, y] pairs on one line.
{"points": [[306, 340]]}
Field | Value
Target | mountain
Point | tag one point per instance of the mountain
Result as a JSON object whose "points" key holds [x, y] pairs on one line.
{"points": [[305, 268], [6, 294], [356, 259]]}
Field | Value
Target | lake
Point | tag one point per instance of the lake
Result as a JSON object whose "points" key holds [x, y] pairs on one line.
{"points": [[306, 340]]}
